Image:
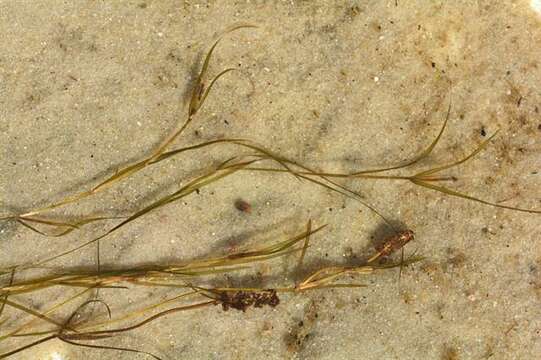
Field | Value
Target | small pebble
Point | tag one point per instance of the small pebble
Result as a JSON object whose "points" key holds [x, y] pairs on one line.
{"points": [[243, 206]]}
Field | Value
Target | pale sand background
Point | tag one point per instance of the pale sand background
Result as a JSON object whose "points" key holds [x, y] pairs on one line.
{"points": [[86, 86]]}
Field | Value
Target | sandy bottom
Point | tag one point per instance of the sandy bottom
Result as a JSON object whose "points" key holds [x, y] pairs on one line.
{"points": [[87, 87]]}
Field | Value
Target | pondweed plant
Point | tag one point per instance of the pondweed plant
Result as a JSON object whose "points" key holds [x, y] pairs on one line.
{"points": [[187, 276], [190, 280]]}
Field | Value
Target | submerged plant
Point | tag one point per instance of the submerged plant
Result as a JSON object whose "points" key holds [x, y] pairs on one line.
{"points": [[190, 279], [177, 276]]}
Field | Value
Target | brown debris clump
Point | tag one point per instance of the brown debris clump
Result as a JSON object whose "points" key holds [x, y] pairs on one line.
{"points": [[241, 300]]}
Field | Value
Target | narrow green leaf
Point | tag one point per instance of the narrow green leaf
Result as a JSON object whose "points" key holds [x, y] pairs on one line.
{"points": [[450, 192]]}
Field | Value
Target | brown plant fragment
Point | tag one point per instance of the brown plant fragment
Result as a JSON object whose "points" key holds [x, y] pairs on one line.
{"points": [[392, 244]]}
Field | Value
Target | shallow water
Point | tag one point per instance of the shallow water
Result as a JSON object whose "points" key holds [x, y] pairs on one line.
{"points": [[89, 87]]}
